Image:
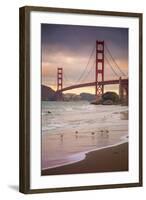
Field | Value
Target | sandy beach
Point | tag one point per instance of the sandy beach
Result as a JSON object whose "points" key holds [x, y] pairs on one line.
{"points": [[81, 138], [105, 160]]}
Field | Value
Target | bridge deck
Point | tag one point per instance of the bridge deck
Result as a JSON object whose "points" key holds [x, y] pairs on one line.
{"points": [[108, 82]]}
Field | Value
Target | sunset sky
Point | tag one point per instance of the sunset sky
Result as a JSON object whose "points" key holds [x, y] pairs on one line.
{"points": [[70, 47]]}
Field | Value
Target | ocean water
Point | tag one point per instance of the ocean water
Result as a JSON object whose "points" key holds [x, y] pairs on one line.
{"points": [[71, 129]]}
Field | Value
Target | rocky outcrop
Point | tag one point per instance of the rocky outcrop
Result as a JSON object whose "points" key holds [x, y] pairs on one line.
{"points": [[111, 96], [108, 98], [107, 102]]}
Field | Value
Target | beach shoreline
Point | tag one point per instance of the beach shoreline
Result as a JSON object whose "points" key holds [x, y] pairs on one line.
{"points": [[110, 159]]}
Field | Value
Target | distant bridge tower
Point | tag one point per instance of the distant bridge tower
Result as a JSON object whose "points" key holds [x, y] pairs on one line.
{"points": [[99, 68], [59, 78], [59, 95]]}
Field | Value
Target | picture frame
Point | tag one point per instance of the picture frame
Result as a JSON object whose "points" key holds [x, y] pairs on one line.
{"points": [[31, 18]]}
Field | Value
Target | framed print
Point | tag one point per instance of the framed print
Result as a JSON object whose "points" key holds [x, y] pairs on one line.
{"points": [[80, 99]]}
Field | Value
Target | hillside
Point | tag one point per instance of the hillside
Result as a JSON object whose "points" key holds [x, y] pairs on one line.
{"points": [[87, 96], [47, 93]]}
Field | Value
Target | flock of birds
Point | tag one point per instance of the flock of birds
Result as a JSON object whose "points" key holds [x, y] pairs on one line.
{"points": [[102, 132]]}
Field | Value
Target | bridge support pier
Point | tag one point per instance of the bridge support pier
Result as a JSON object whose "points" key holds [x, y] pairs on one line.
{"points": [[123, 92]]}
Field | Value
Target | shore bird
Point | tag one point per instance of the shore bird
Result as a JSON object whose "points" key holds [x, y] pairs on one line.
{"points": [[106, 131], [61, 135], [76, 134], [101, 132], [93, 133]]}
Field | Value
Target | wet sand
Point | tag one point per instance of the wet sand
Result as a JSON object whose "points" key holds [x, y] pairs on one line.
{"points": [[105, 160]]}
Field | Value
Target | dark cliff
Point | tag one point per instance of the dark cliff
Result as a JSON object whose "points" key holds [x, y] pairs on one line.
{"points": [[47, 93]]}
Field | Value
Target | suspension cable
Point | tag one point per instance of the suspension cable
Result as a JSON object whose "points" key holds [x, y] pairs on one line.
{"points": [[91, 68], [114, 72], [86, 65], [114, 61]]}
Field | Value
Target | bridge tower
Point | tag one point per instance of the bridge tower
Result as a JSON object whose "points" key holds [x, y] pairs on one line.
{"points": [[99, 68], [59, 78], [59, 95]]}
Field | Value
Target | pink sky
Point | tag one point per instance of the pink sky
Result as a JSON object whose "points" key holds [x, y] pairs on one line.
{"points": [[69, 47]]}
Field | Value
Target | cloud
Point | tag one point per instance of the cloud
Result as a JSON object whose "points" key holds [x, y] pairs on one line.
{"points": [[70, 47]]}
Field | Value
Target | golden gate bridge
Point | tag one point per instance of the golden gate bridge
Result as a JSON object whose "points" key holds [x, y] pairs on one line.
{"points": [[102, 55]]}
